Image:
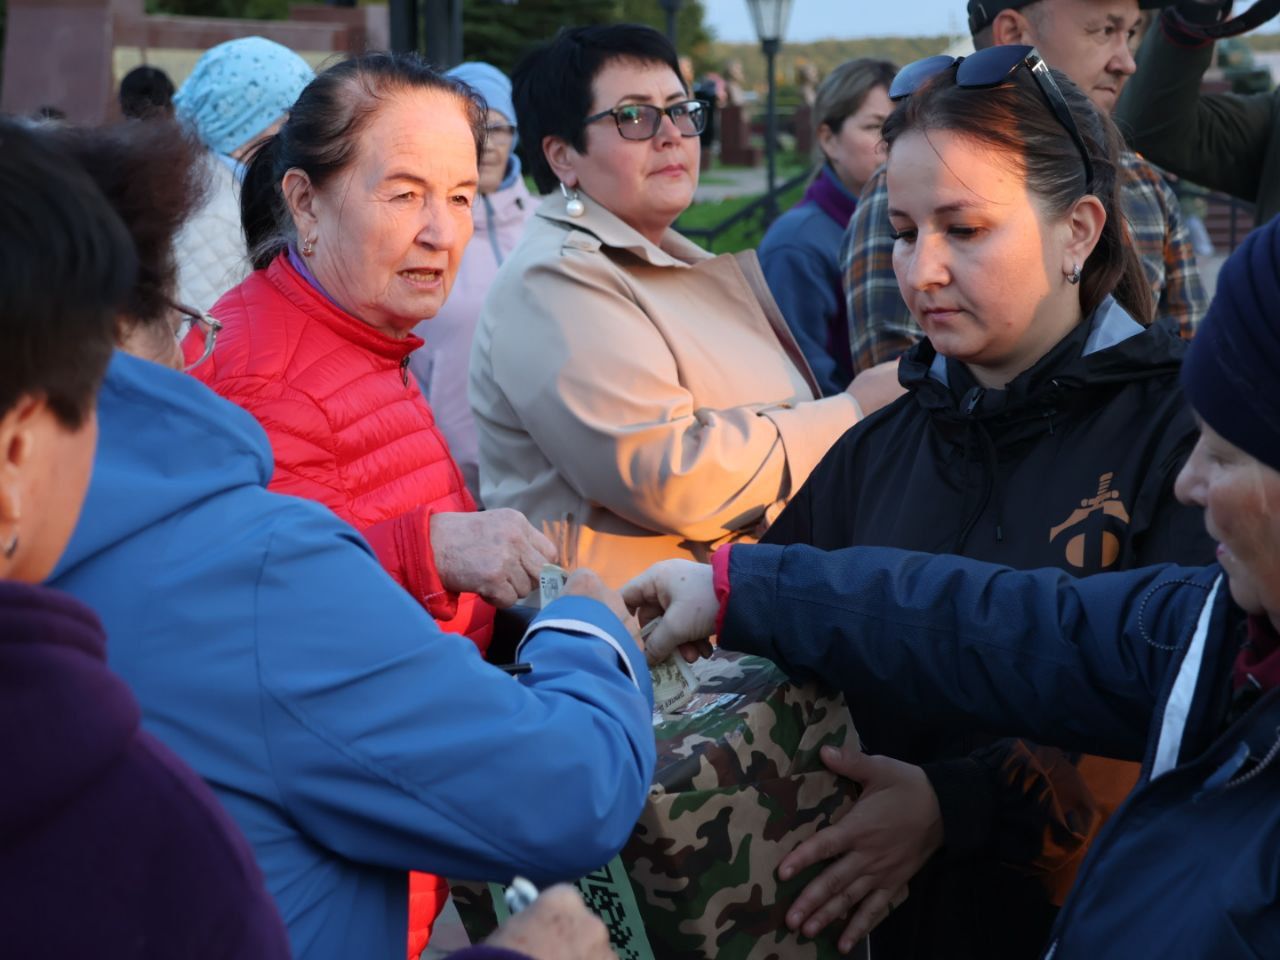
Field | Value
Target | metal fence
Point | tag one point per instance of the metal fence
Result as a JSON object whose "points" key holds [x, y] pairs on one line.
{"points": [[761, 211]]}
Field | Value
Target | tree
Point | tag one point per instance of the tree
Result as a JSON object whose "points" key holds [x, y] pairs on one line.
{"points": [[246, 9], [500, 34], [692, 36]]}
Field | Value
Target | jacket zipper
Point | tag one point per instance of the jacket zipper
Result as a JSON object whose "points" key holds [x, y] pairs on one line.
{"points": [[404, 369]]}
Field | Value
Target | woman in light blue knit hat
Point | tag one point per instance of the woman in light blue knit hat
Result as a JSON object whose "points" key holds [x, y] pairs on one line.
{"points": [[238, 95], [503, 207]]}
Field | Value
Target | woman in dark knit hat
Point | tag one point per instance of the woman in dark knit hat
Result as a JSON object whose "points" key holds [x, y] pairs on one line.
{"points": [[1178, 668]]}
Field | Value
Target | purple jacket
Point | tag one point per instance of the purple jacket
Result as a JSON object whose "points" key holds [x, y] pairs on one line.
{"points": [[109, 845]]}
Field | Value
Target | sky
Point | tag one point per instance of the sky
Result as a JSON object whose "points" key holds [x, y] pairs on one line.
{"points": [[842, 19], [845, 19]]}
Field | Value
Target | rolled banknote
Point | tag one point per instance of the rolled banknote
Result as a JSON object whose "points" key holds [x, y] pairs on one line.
{"points": [[550, 583], [674, 683]]}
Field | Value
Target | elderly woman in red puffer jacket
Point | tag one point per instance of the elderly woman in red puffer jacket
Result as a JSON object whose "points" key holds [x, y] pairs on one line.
{"points": [[357, 213]]}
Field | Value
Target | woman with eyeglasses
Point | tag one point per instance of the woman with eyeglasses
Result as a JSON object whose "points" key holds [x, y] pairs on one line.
{"points": [[635, 396], [1043, 427], [503, 206], [800, 253]]}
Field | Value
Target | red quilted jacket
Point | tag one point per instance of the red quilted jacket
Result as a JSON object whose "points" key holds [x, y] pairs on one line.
{"points": [[349, 428]]}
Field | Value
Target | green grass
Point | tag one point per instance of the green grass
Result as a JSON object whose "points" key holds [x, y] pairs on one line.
{"points": [[743, 236]]}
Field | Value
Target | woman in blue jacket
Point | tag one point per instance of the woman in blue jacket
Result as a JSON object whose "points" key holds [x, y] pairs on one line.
{"points": [[348, 736], [1178, 668], [800, 253]]}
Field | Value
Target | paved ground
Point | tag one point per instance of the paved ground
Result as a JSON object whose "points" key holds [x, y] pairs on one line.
{"points": [[720, 184]]}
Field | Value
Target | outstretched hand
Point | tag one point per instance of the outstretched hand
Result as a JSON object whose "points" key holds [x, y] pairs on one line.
{"points": [[876, 848], [682, 593]]}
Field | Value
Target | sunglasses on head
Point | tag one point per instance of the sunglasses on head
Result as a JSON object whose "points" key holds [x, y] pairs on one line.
{"points": [[994, 67]]}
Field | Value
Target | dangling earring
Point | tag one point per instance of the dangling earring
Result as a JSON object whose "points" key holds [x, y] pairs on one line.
{"points": [[308, 247], [12, 547], [1073, 277], [572, 205]]}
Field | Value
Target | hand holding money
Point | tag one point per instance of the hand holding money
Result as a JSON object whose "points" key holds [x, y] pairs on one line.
{"points": [[682, 594], [495, 553]]}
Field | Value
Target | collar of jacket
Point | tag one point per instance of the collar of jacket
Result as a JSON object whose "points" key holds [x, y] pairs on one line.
{"points": [[612, 231], [68, 715], [312, 302], [831, 196], [1112, 348]]}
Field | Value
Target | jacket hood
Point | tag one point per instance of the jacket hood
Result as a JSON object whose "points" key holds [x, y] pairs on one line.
{"points": [[1110, 350], [506, 206], [165, 442], [66, 717]]}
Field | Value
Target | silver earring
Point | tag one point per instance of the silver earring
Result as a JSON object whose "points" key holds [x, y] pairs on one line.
{"points": [[12, 548], [573, 206], [308, 247], [1073, 277]]}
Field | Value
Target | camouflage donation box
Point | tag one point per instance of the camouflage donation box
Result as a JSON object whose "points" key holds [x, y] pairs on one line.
{"points": [[739, 783]]}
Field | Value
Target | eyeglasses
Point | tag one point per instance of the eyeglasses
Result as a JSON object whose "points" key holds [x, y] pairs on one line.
{"points": [[195, 318], [994, 67], [641, 121], [500, 131]]}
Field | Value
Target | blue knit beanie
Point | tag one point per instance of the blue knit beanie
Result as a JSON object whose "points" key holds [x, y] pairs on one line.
{"points": [[491, 83], [238, 89], [1231, 374]]}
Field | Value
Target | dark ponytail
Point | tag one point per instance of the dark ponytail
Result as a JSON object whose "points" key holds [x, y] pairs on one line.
{"points": [[322, 133], [262, 206], [1015, 119]]}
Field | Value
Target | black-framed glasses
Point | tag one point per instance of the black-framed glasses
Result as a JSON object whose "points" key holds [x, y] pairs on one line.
{"points": [[209, 327], [641, 121], [994, 67]]}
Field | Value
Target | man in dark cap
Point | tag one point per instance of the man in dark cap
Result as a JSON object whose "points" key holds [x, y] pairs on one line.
{"points": [[1223, 141], [1088, 40]]}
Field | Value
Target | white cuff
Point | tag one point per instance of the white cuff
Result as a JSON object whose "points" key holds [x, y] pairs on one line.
{"points": [[581, 626]]}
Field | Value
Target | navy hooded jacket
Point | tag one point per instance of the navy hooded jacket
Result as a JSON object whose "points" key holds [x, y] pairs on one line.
{"points": [[1132, 665]]}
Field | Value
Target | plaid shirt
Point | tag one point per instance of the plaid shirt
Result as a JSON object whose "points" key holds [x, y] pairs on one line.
{"points": [[881, 328]]}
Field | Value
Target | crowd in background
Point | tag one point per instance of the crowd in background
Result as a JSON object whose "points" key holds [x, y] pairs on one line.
{"points": [[306, 377]]}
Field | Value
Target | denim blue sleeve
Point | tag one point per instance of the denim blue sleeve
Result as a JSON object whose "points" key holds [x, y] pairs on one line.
{"points": [[393, 743], [1079, 664], [805, 283]]}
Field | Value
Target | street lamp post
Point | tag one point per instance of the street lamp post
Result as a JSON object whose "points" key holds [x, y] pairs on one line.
{"points": [[672, 7], [770, 18]]}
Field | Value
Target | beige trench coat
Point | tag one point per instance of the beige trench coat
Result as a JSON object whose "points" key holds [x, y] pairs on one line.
{"points": [[640, 403]]}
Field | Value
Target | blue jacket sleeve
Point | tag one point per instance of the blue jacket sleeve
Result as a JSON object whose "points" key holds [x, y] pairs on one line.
{"points": [[804, 290], [1077, 664], [395, 744]]}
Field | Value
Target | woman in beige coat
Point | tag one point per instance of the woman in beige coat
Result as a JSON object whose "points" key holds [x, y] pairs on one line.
{"points": [[635, 396]]}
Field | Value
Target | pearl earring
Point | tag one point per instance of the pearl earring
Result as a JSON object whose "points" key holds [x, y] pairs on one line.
{"points": [[572, 204]]}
